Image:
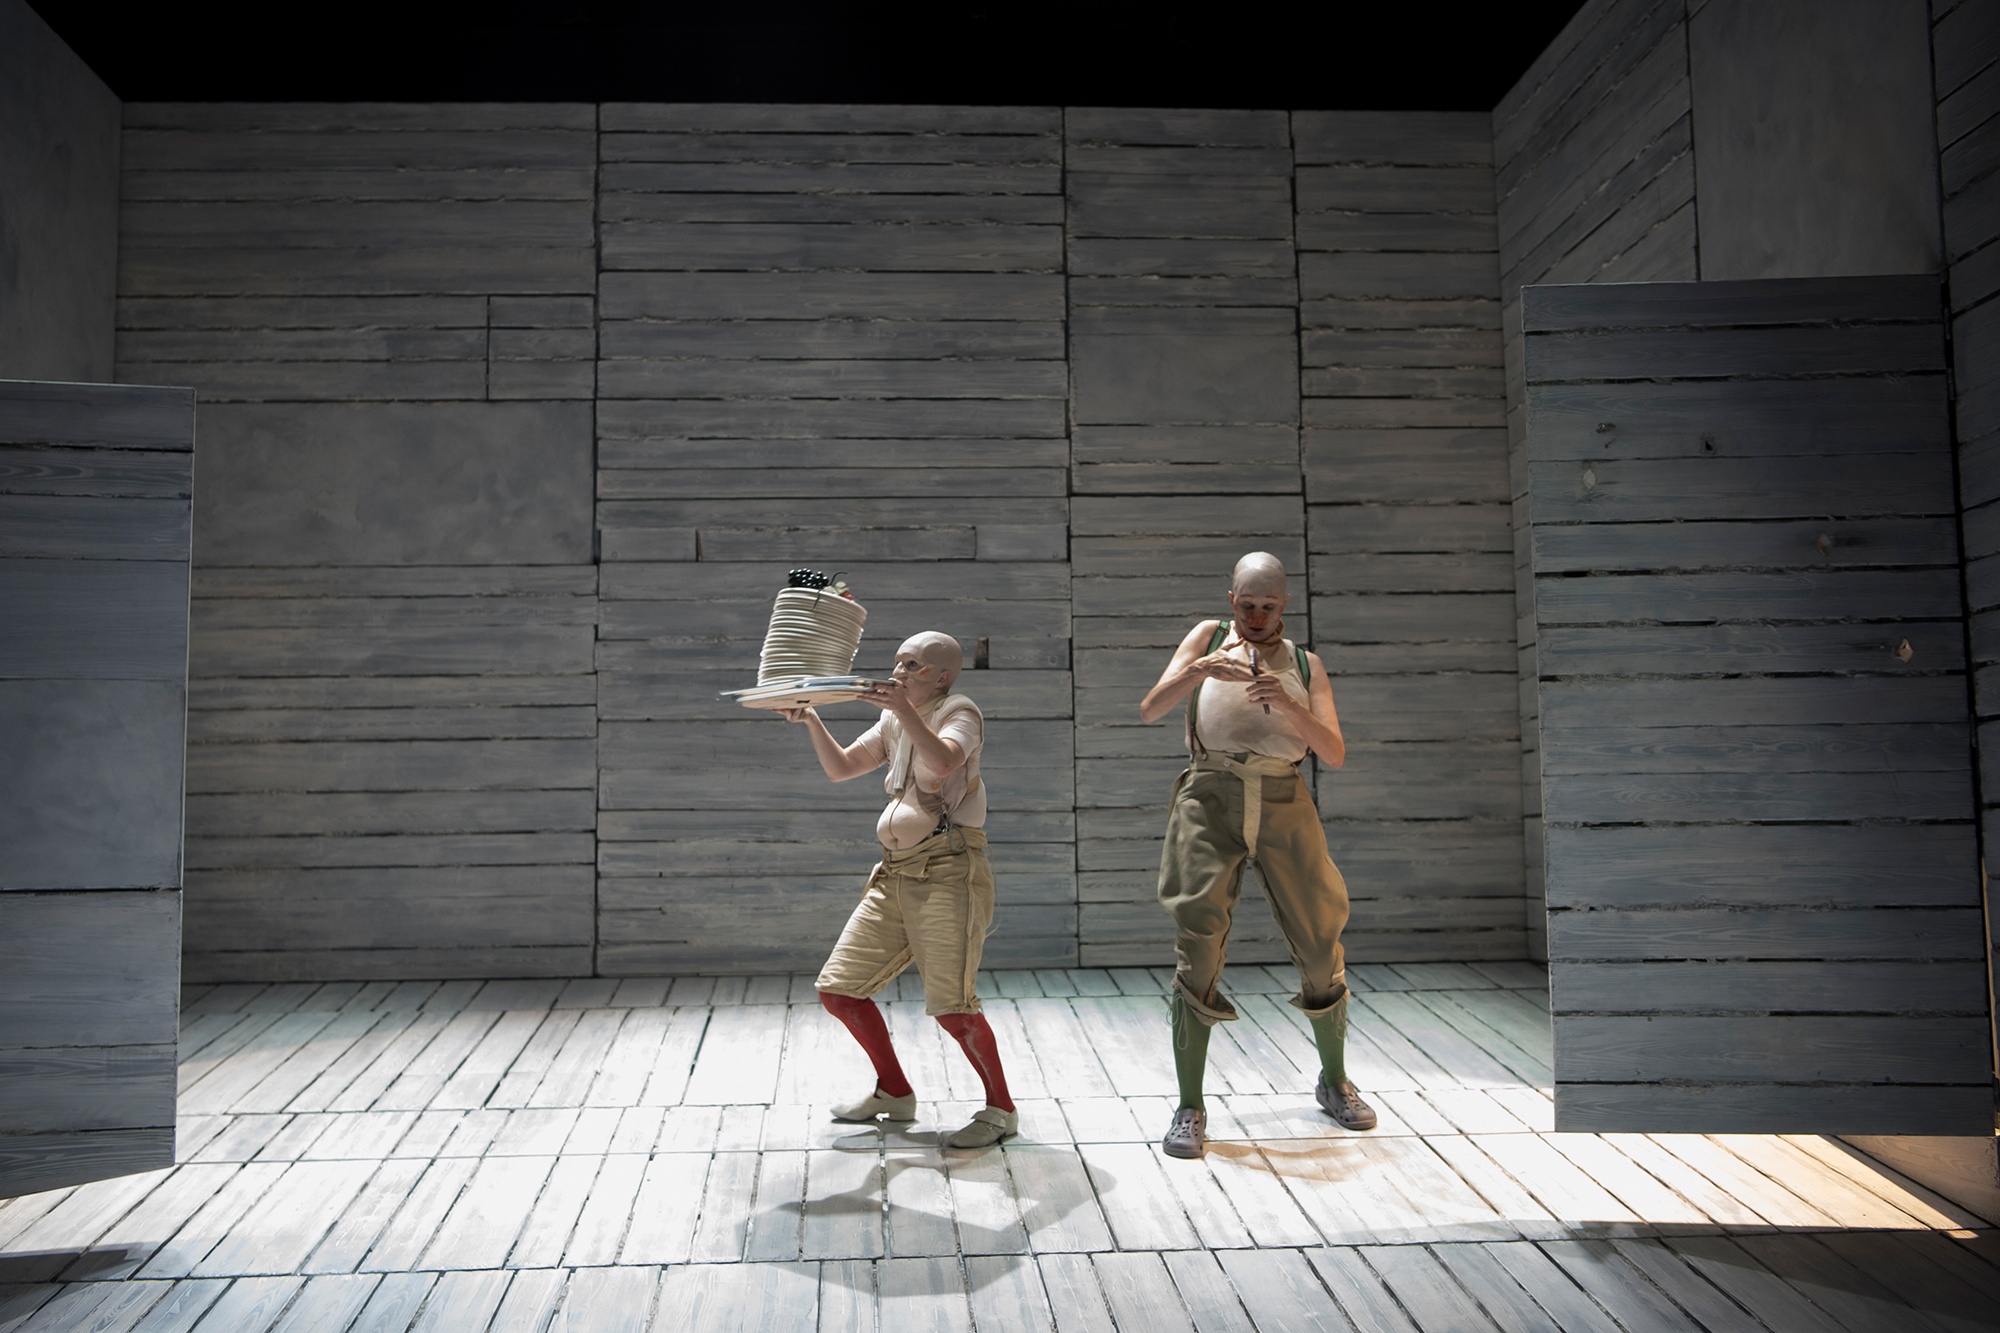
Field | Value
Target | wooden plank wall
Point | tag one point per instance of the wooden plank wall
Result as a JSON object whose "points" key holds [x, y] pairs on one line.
{"points": [[387, 312], [1029, 376], [1594, 179], [1966, 45], [832, 336], [1763, 880], [94, 523], [1409, 527], [1183, 315]]}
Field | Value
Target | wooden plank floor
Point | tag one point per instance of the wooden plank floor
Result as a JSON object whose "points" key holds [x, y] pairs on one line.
{"points": [[624, 1155]]}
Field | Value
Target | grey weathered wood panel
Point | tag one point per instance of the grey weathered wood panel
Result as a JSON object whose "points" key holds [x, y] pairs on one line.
{"points": [[1184, 365], [366, 484], [1966, 69], [813, 335], [1405, 464], [389, 313], [59, 154], [97, 416], [91, 969], [95, 489], [1593, 158], [1813, 805], [1841, 173], [91, 794], [429, 732], [825, 341], [82, 618]]}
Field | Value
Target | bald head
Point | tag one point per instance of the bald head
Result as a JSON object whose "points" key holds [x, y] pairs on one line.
{"points": [[1259, 574], [935, 650]]}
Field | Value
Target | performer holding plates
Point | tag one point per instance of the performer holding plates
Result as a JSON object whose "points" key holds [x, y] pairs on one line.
{"points": [[930, 898]]}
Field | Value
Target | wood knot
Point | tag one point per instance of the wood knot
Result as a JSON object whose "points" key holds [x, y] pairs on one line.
{"points": [[1824, 542], [1904, 652]]}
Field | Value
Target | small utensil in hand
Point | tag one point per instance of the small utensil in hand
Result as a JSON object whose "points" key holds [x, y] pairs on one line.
{"points": [[1256, 670]]}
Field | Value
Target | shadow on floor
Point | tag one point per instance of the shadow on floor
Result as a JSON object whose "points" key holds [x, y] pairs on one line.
{"points": [[73, 1265]]}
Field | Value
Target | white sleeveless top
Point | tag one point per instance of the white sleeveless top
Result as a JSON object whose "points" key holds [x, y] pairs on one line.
{"points": [[1226, 720]]}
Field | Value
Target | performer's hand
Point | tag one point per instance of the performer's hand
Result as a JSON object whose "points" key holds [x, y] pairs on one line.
{"points": [[1269, 689], [795, 714], [890, 697], [1221, 666]]}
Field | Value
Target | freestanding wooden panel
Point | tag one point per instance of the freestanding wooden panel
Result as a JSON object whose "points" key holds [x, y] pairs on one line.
{"points": [[95, 487], [1764, 909]]}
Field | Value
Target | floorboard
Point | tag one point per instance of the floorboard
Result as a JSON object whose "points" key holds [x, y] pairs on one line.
{"points": [[656, 1154]]}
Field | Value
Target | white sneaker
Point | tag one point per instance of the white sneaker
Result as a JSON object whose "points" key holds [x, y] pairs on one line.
{"points": [[878, 1104], [989, 1126]]}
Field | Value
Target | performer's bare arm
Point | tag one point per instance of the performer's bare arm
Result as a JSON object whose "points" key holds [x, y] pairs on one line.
{"points": [[936, 755], [1318, 726], [1190, 667], [841, 762]]}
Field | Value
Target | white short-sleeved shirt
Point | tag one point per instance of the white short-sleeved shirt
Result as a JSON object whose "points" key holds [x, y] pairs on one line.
{"points": [[918, 796]]}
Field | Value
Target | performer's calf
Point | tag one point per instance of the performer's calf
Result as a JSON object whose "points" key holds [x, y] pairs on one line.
{"points": [[865, 1021], [975, 1036]]}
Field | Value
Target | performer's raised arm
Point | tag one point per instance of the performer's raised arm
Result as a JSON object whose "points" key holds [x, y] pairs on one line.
{"points": [[1190, 665], [1315, 720], [841, 762]]}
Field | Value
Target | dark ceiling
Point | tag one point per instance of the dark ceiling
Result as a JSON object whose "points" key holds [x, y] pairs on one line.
{"points": [[1422, 54]]}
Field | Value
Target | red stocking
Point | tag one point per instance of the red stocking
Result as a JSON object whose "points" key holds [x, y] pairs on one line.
{"points": [[864, 1020], [976, 1037]]}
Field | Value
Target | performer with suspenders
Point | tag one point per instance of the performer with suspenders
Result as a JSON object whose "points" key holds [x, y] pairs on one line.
{"points": [[1256, 705], [930, 898]]}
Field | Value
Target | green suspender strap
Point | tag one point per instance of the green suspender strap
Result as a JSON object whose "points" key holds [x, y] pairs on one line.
{"points": [[1194, 699]]}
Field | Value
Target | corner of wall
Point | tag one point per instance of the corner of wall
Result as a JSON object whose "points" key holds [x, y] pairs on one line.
{"points": [[59, 141]]}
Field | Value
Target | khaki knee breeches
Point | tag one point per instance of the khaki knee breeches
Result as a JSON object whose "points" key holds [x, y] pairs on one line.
{"points": [[932, 905], [1201, 877]]}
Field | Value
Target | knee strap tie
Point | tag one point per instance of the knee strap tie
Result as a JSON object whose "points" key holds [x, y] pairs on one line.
{"points": [[1251, 769]]}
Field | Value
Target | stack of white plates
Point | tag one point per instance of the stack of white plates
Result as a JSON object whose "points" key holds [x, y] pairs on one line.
{"points": [[813, 634]]}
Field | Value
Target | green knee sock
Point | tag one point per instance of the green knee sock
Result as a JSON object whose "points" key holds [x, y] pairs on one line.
{"points": [[1190, 1053], [1330, 1032]]}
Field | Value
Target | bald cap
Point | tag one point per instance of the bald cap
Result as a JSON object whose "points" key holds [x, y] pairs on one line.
{"points": [[1261, 574], [935, 649]]}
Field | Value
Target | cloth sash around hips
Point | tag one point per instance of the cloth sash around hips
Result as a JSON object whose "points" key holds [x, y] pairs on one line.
{"points": [[1251, 770]]}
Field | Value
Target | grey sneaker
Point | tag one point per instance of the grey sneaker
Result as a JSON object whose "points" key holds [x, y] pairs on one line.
{"points": [[1343, 1102], [1188, 1136]]}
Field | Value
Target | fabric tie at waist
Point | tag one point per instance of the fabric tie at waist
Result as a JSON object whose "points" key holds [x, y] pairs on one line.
{"points": [[1252, 769]]}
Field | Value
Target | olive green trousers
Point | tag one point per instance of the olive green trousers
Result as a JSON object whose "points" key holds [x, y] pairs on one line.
{"points": [[1201, 878]]}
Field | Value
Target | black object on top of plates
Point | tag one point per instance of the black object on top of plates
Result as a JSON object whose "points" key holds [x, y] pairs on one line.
{"points": [[807, 578]]}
